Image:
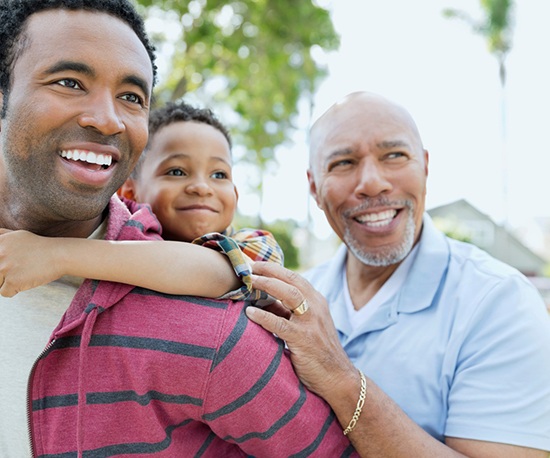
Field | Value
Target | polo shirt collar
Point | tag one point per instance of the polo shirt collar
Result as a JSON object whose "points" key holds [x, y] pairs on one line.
{"points": [[416, 294]]}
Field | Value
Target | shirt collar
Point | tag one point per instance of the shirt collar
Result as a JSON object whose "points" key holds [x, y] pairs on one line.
{"points": [[420, 286]]}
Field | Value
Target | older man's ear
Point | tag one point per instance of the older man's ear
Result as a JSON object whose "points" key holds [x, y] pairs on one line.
{"points": [[313, 188]]}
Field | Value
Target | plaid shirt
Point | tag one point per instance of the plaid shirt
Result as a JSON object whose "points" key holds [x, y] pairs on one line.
{"points": [[241, 247]]}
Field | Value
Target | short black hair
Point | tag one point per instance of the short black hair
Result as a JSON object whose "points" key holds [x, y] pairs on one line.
{"points": [[15, 13], [177, 112]]}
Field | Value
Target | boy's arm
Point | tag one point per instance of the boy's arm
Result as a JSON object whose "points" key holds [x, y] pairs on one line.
{"points": [[28, 260]]}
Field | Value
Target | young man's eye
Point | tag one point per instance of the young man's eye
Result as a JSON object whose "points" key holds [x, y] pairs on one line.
{"points": [[219, 175], [176, 173], [133, 98], [70, 83]]}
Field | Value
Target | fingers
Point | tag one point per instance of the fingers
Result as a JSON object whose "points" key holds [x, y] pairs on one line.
{"points": [[275, 271], [270, 322], [289, 296], [290, 288], [278, 309]]}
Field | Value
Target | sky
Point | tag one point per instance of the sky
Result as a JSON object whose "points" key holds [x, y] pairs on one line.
{"points": [[444, 75]]}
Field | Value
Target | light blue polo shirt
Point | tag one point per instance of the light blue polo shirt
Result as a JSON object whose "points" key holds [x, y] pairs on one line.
{"points": [[463, 346]]}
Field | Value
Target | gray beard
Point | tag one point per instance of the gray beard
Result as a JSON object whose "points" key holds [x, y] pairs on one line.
{"points": [[390, 255]]}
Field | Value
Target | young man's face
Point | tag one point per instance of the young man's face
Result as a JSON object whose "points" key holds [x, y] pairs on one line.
{"points": [[77, 114], [186, 178]]}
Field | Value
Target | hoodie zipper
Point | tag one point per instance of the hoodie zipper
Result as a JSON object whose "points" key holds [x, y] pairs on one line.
{"points": [[29, 397]]}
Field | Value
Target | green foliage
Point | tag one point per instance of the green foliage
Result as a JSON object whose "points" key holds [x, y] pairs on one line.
{"points": [[496, 27], [258, 53], [453, 228], [282, 231]]}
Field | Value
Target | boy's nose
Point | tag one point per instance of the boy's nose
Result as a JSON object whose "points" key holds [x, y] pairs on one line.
{"points": [[199, 187]]}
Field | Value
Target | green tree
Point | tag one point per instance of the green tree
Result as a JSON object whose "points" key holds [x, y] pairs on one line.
{"points": [[258, 55], [452, 227], [496, 27]]}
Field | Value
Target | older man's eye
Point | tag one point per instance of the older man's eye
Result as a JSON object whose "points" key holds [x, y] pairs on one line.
{"points": [[396, 155], [339, 164]]}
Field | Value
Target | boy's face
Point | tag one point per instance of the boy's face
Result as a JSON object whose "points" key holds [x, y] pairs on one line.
{"points": [[186, 178]]}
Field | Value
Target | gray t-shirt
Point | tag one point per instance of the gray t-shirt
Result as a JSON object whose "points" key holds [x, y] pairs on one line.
{"points": [[26, 323]]}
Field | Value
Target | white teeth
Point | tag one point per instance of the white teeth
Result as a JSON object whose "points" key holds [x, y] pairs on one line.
{"points": [[88, 156], [377, 219]]}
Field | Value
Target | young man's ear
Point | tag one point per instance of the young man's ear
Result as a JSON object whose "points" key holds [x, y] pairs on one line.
{"points": [[128, 189]]}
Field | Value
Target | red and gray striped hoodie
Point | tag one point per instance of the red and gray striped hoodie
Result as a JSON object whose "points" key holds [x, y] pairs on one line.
{"points": [[132, 372]]}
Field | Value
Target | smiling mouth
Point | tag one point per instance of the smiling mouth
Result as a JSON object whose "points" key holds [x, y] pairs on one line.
{"points": [[379, 219], [197, 207], [101, 161]]}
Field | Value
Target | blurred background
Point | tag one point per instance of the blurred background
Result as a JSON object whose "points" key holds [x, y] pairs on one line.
{"points": [[473, 73]]}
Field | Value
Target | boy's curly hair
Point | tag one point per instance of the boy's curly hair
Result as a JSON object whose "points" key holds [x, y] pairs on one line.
{"points": [[175, 112]]}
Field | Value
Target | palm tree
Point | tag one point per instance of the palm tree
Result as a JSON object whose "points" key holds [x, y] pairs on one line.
{"points": [[496, 27]]}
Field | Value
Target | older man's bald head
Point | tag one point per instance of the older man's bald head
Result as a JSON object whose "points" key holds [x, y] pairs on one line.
{"points": [[367, 108]]}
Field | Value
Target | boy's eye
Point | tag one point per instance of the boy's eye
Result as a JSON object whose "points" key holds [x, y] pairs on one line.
{"points": [[219, 175], [70, 83], [176, 173]]}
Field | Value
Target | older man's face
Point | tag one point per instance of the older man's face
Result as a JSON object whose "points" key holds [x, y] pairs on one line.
{"points": [[368, 174]]}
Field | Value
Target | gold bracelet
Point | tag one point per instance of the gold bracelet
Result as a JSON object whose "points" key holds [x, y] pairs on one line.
{"points": [[360, 403]]}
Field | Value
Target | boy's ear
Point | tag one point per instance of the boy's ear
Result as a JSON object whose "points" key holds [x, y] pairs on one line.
{"points": [[128, 189], [236, 193]]}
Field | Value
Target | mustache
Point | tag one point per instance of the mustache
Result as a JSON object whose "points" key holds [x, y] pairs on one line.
{"points": [[375, 202], [91, 136]]}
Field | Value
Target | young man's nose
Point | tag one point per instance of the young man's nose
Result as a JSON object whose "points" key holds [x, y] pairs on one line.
{"points": [[100, 112]]}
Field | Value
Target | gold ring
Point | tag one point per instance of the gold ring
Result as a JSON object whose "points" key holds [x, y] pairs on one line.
{"points": [[301, 309]]}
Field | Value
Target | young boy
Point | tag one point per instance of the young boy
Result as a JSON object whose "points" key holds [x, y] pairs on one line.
{"points": [[184, 175]]}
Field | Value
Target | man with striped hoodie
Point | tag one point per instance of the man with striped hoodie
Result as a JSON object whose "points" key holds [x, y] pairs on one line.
{"points": [[126, 371]]}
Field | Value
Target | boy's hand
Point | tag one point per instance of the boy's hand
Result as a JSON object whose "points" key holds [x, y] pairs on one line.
{"points": [[26, 261]]}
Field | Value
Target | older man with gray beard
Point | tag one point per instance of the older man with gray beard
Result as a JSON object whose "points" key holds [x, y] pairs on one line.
{"points": [[423, 345]]}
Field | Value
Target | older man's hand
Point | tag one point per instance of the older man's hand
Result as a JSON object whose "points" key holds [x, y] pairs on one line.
{"points": [[316, 353]]}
